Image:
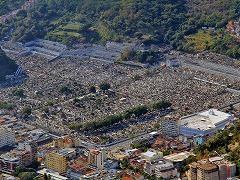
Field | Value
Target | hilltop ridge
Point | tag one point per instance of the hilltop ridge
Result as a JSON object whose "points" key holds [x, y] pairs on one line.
{"points": [[148, 22]]}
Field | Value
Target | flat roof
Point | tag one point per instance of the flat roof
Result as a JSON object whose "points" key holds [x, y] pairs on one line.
{"points": [[217, 158], [153, 133], [164, 164], [66, 151], [54, 175], [178, 157], [149, 153], [205, 120]]}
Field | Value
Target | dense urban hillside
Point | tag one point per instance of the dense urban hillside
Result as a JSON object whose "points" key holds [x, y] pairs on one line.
{"points": [[141, 21], [7, 66]]}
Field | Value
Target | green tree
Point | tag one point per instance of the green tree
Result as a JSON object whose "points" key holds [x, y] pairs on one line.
{"points": [[26, 111], [27, 175], [64, 89], [92, 89], [18, 92], [104, 86]]}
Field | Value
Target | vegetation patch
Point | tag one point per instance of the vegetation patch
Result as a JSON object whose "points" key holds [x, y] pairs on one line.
{"points": [[199, 42]]}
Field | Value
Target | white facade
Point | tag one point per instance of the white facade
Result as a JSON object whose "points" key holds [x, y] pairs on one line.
{"points": [[7, 136], [152, 155], [96, 158], [205, 123]]}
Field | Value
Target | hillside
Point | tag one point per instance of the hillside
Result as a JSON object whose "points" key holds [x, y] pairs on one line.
{"points": [[140, 21], [7, 66], [215, 13], [9, 5]]}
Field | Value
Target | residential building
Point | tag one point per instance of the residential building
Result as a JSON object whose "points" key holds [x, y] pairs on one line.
{"points": [[203, 170], [234, 28], [127, 174], [9, 162], [30, 146], [96, 158], [152, 155], [56, 162], [69, 153], [170, 126], [226, 168], [166, 170], [24, 156], [208, 171], [7, 136], [63, 142]]}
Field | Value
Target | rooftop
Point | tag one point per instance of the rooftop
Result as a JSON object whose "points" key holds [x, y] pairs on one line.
{"points": [[149, 154], [205, 120], [164, 164], [66, 151], [94, 152], [54, 175], [208, 166], [178, 157]]}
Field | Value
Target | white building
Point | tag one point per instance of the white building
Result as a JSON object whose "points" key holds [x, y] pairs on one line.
{"points": [[152, 155], [7, 136], [205, 123], [96, 158]]}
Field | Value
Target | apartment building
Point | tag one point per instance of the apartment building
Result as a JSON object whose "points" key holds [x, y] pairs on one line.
{"points": [[30, 146], [9, 162], [170, 126], [96, 158], [7, 136], [213, 168], [56, 162]]}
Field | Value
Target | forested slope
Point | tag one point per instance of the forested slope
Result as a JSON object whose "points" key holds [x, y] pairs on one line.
{"points": [[141, 21], [9, 5]]}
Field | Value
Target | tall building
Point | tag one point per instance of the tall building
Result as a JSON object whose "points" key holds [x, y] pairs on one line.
{"points": [[7, 136], [56, 162], [208, 171], [226, 168], [96, 158], [30, 146], [170, 126], [203, 170], [192, 172]]}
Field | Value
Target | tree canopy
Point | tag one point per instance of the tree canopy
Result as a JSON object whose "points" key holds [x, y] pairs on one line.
{"points": [[140, 21]]}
